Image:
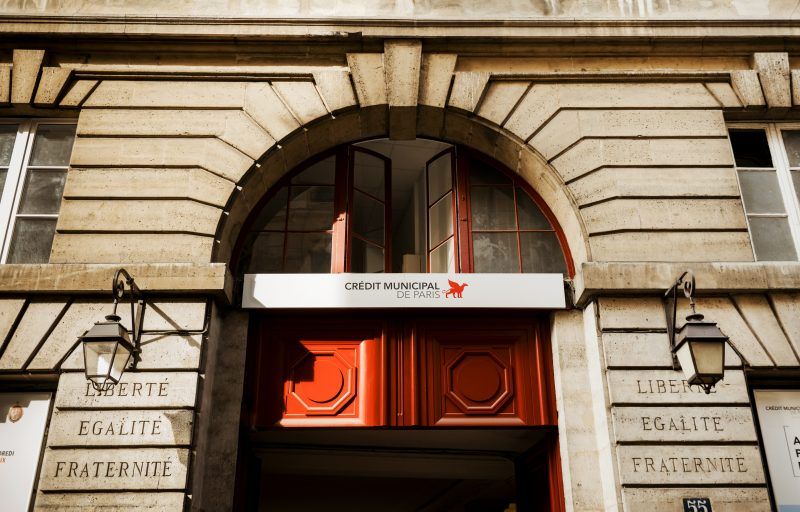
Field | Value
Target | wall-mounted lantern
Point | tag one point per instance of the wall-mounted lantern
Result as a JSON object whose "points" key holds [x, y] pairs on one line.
{"points": [[108, 349], [698, 347]]}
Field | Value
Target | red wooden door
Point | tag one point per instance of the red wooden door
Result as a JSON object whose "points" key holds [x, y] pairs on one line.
{"points": [[441, 370]]}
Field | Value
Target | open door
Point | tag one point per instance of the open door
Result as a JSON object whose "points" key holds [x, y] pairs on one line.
{"points": [[369, 206]]}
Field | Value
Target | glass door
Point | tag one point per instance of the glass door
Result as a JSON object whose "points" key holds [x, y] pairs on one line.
{"points": [[369, 196], [441, 207]]}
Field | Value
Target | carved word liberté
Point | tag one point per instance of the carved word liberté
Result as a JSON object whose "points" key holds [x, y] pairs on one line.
{"points": [[661, 386], [108, 469], [683, 423], [131, 389], [689, 464]]}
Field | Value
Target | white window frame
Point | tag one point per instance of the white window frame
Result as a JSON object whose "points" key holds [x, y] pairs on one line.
{"points": [[17, 173], [780, 162]]}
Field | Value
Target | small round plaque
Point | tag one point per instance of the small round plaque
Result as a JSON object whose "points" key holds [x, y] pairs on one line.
{"points": [[15, 413]]}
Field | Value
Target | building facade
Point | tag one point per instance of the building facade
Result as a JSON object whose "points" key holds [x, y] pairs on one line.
{"points": [[615, 143]]}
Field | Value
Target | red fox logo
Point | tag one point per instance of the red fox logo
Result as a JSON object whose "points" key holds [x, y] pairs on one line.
{"points": [[455, 289]]}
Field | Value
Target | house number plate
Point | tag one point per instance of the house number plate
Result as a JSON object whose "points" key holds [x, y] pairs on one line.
{"points": [[696, 505]]}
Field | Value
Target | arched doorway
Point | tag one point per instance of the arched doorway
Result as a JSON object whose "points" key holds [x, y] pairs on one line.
{"points": [[400, 410]]}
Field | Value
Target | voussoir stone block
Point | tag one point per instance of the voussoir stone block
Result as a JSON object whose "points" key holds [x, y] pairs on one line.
{"points": [[335, 88], [25, 71], [368, 74], [435, 78], [773, 72], [747, 86], [302, 99], [51, 84], [500, 98], [468, 87]]}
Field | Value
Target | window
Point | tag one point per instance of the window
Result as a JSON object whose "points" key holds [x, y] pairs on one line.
{"points": [[416, 206], [768, 166], [34, 156]]}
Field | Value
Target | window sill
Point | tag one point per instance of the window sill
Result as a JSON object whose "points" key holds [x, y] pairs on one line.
{"points": [[93, 278], [596, 278]]}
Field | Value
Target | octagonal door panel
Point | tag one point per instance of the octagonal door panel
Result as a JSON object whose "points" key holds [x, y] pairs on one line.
{"points": [[478, 376], [319, 374]]}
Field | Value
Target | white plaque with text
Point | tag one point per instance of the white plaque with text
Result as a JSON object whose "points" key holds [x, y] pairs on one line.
{"points": [[532, 291], [23, 417], [779, 418]]}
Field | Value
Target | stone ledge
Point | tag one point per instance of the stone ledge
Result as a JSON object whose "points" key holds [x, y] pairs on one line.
{"points": [[92, 278], [711, 278]]}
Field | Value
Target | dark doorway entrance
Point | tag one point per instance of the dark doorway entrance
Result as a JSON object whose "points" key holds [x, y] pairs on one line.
{"points": [[401, 469]]}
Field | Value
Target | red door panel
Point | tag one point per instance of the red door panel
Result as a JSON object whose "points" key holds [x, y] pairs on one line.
{"points": [[323, 373], [477, 376]]}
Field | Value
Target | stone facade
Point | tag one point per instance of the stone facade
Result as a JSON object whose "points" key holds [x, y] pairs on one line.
{"points": [[615, 115]]}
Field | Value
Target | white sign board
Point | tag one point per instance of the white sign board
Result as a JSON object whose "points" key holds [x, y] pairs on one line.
{"points": [[23, 417], [779, 418], [458, 291]]}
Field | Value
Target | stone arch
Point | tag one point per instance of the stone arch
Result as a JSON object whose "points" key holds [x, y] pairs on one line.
{"points": [[363, 123]]}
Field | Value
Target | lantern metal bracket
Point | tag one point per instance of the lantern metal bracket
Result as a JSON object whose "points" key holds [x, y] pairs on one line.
{"points": [[686, 283], [136, 300]]}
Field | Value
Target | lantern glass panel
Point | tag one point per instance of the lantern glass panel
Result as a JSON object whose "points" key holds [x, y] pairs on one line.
{"points": [[686, 361], [98, 357], [121, 357], [708, 356]]}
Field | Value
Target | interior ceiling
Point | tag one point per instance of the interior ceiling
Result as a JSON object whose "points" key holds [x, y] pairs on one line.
{"points": [[408, 161]]}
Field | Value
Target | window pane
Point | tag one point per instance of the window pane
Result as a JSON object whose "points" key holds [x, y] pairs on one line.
{"points": [[791, 140], [308, 253], [760, 192], [772, 239], [440, 178], [441, 220], [530, 216], [495, 252], [750, 148], [321, 173], [541, 252], [310, 208], [484, 175], [796, 183], [273, 214], [492, 208], [366, 257], [368, 217], [8, 134], [443, 258], [32, 241], [53, 144], [368, 174], [42, 192], [3, 174], [266, 254]]}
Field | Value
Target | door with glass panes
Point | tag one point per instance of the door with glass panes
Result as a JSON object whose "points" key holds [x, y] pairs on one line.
{"points": [[435, 208]]}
